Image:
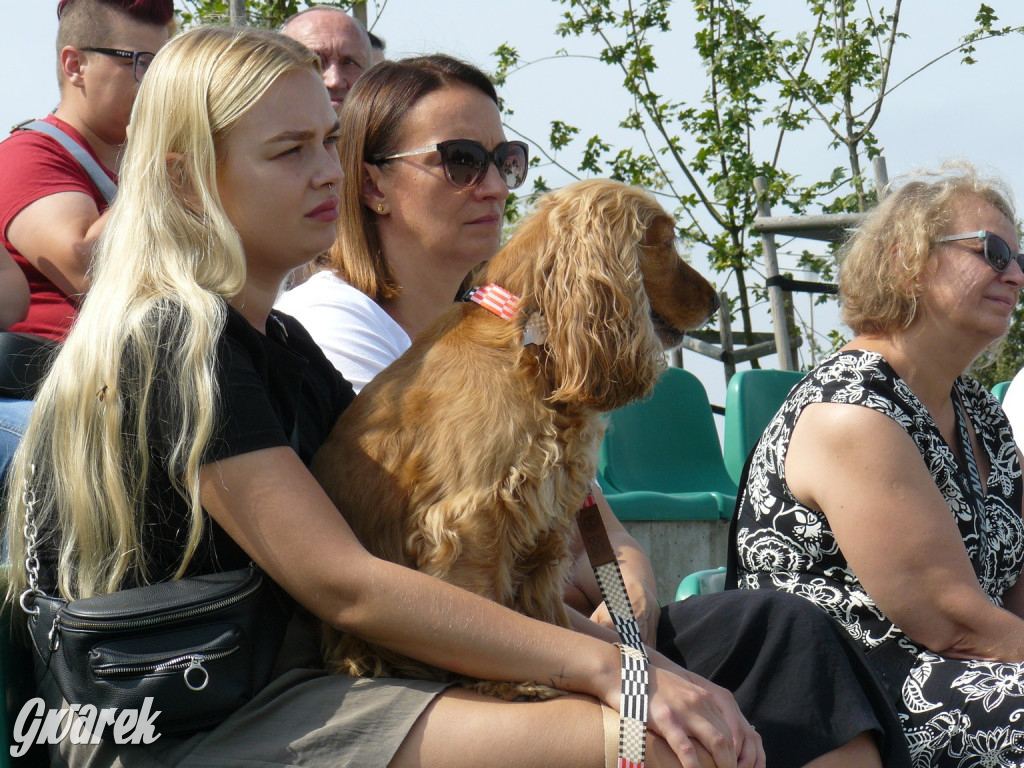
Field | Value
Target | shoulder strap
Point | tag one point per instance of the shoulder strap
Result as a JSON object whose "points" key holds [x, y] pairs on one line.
{"points": [[99, 177]]}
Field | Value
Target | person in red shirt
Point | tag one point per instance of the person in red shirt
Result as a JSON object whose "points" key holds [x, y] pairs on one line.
{"points": [[51, 213]]}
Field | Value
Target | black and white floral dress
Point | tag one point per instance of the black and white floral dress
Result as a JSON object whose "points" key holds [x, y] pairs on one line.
{"points": [[954, 713]]}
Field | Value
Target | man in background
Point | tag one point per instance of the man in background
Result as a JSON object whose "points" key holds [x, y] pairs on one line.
{"points": [[340, 41]]}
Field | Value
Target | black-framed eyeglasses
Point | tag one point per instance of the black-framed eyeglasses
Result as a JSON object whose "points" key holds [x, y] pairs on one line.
{"points": [[465, 161], [140, 59], [997, 252]]}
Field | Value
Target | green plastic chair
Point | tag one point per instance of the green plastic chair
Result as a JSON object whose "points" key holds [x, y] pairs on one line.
{"points": [[661, 458], [751, 400], [999, 390], [702, 582]]}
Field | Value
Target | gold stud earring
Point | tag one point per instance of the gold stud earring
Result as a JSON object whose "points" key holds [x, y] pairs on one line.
{"points": [[380, 207]]}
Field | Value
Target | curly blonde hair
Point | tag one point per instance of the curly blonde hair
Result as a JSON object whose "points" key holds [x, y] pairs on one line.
{"points": [[881, 267]]}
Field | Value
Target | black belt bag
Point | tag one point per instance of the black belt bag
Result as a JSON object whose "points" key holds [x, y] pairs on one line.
{"points": [[200, 647], [24, 362]]}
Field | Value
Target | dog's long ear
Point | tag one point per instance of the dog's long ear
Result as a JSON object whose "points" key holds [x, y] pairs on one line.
{"points": [[601, 346]]}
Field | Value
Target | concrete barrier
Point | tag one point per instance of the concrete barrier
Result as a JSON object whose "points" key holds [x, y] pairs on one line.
{"points": [[679, 547]]}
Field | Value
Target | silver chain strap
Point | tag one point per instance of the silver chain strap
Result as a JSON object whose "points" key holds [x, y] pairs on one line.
{"points": [[28, 498]]}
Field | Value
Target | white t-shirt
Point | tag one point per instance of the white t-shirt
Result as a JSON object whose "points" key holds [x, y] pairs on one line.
{"points": [[357, 336], [1013, 405]]}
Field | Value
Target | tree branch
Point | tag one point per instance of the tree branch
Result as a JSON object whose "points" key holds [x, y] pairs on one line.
{"points": [[961, 46], [709, 206], [886, 62]]}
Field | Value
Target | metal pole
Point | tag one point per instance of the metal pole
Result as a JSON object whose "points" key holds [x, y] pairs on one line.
{"points": [[787, 360], [881, 176], [725, 333], [359, 12], [239, 17]]}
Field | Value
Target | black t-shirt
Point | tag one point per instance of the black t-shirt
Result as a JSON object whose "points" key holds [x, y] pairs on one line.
{"points": [[276, 390]]}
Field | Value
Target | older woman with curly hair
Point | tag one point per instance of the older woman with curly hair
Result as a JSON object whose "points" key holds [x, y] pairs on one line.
{"points": [[887, 490]]}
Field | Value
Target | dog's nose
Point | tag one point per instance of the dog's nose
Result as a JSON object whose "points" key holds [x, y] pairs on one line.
{"points": [[715, 302]]}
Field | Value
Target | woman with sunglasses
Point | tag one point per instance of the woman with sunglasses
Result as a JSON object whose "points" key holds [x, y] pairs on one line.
{"points": [[427, 173], [887, 490]]}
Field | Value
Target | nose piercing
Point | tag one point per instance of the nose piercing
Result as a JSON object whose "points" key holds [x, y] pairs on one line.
{"points": [[330, 185]]}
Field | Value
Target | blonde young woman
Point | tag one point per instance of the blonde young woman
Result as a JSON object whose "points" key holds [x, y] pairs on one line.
{"points": [[161, 441], [888, 489]]}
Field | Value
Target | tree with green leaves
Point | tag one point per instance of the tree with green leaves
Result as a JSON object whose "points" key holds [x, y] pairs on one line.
{"points": [[762, 88]]}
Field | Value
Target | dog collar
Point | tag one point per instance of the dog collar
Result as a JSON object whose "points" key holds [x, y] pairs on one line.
{"points": [[496, 299], [505, 305]]}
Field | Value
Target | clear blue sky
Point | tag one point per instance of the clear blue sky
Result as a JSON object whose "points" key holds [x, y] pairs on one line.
{"points": [[949, 111]]}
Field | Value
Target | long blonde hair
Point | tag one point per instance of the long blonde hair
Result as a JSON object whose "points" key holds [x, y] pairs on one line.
{"points": [[167, 262]]}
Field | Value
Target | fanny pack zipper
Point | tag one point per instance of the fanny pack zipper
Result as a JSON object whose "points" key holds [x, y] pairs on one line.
{"points": [[187, 662]]}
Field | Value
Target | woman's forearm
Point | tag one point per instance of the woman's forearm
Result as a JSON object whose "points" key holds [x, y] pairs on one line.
{"points": [[471, 635], [269, 503]]}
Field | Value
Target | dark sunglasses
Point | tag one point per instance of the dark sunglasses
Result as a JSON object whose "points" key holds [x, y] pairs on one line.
{"points": [[465, 161], [140, 59], [996, 252]]}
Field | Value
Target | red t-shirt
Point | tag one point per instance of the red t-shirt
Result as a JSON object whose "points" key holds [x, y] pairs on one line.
{"points": [[34, 166]]}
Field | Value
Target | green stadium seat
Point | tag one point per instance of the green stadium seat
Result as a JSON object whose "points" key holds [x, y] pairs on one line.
{"points": [[702, 583], [751, 400], [661, 458]]}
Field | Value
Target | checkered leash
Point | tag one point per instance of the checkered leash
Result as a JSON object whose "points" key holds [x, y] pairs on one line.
{"points": [[635, 676]]}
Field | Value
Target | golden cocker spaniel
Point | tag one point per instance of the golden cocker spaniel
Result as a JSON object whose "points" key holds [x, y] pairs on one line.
{"points": [[469, 456]]}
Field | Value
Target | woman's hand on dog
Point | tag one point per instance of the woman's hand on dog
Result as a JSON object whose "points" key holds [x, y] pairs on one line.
{"points": [[685, 708]]}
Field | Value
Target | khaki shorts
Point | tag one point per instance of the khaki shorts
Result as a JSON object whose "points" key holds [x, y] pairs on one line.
{"points": [[304, 718]]}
